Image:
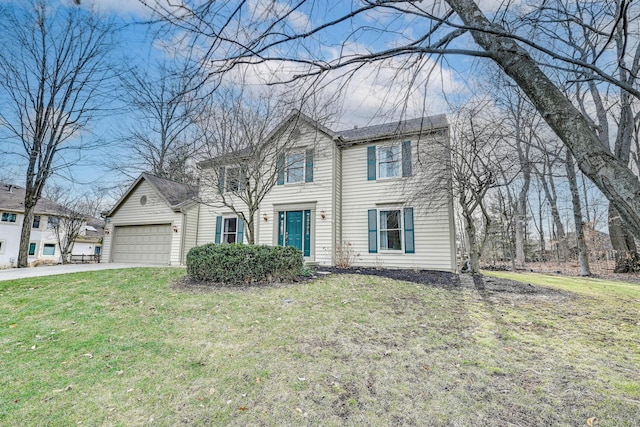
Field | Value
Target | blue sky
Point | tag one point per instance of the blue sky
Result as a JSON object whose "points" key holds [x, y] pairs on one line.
{"points": [[370, 97]]}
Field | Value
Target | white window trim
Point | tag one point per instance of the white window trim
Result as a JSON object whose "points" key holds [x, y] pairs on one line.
{"points": [[222, 232], [35, 252], [9, 222], [400, 227], [227, 179], [54, 249], [287, 165], [380, 147]]}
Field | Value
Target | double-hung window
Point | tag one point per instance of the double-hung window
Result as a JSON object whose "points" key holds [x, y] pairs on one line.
{"points": [[36, 221], [389, 161], [32, 248], [229, 229], [391, 229], [53, 222], [9, 217], [233, 180], [295, 167]]}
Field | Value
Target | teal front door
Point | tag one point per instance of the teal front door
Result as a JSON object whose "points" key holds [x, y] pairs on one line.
{"points": [[294, 229], [293, 232]]}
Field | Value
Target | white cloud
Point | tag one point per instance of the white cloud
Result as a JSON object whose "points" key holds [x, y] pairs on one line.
{"points": [[121, 7]]}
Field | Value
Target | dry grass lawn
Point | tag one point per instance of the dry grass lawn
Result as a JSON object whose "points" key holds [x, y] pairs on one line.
{"points": [[131, 347]]}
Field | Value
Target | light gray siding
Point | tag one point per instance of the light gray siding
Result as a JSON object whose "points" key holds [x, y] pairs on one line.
{"points": [[434, 244], [317, 196], [154, 211]]}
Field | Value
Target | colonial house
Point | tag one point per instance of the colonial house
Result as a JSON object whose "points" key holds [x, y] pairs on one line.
{"points": [[43, 242], [376, 196]]}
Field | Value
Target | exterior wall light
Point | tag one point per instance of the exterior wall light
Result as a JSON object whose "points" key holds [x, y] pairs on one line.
{"points": [[323, 215], [265, 217], [175, 228]]}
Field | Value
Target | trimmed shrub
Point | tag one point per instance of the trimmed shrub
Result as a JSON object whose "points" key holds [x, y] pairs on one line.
{"points": [[237, 264]]}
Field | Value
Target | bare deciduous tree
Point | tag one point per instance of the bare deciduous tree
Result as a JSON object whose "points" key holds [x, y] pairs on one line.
{"points": [[53, 78], [258, 32], [165, 108], [246, 154]]}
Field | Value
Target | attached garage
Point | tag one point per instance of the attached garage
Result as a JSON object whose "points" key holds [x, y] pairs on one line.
{"points": [[150, 244]]}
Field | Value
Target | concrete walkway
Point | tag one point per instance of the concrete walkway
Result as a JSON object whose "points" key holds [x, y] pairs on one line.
{"points": [[21, 273]]}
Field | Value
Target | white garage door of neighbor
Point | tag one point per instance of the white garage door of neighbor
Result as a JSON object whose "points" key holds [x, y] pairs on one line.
{"points": [[142, 243]]}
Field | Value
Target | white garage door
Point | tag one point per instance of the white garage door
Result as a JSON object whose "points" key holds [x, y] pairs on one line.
{"points": [[142, 243]]}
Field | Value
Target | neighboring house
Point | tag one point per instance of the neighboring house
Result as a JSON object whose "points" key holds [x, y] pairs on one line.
{"points": [[43, 244], [366, 191]]}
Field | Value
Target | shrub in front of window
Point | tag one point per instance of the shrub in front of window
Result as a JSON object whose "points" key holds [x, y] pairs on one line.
{"points": [[236, 264]]}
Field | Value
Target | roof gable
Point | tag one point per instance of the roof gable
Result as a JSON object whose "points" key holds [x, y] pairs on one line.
{"points": [[175, 194]]}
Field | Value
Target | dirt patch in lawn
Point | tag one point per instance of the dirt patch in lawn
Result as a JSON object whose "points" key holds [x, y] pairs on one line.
{"points": [[442, 279], [488, 285]]}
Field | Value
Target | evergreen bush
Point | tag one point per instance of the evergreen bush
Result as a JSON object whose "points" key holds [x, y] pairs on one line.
{"points": [[236, 264]]}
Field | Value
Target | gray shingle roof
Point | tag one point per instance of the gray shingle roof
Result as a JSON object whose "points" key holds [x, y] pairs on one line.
{"points": [[12, 199], [394, 128], [174, 192]]}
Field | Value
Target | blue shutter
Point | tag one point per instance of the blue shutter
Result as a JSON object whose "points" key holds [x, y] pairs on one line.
{"points": [[218, 228], [373, 231], [221, 180], [371, 163], [409, 244], [280, 169], [406, 158], [281, 228], [240, 230], [242, 185], [307, 233], [308, 169]]}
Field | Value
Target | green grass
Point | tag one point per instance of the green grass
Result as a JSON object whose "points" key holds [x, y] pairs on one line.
{"points": [[128, 347]]}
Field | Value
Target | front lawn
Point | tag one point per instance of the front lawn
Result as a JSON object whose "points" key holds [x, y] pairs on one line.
{"points": [[130, 347]]}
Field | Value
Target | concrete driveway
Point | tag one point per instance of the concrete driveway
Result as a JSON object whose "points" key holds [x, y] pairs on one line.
{"points": [[21, 273]]}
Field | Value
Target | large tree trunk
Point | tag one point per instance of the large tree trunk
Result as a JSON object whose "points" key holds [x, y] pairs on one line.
{"points": [[610, 175], [25, 236], [583, 257], [626, 252]]}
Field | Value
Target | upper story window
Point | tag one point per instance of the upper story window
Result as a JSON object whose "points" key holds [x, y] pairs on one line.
{"points": [[389, 161], [232, 180], [53, 222], [36, 221], [9, 217], [295, 167]]}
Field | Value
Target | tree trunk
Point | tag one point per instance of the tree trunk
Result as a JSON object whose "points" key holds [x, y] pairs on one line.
{"points": [[626, 252], [610, 175], [583, 256], [474, 251], [25, 236]]}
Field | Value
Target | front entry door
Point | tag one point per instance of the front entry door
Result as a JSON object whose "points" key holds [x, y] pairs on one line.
{"points": [[294, 229]]}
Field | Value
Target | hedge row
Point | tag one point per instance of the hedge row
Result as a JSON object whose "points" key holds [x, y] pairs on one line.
{"points": [[236, 264]]}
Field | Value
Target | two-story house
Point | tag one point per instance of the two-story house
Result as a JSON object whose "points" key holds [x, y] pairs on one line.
{"points": [[367, 193], [43, 242]]}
